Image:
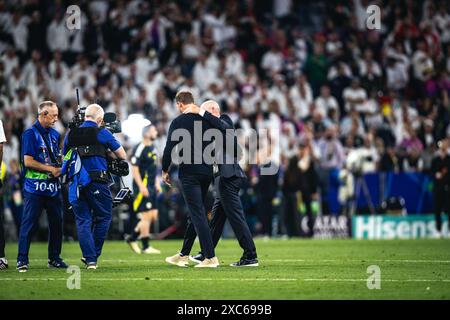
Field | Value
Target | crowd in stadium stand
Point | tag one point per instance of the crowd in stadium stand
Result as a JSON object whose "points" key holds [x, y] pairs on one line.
{"points": [[329, 88]]}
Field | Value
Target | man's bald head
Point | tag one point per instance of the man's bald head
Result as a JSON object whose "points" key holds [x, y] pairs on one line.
{"points": [[95, 113], [212, 107]]}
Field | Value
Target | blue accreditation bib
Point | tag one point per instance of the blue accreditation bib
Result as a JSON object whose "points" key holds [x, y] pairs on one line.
{"points": [[40, 183]]}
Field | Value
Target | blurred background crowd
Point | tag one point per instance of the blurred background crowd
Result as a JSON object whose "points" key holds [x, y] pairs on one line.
{"points": [[336, 96]]}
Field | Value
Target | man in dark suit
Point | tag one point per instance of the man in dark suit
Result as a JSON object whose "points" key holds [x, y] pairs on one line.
{"points": [[228, 179], [194, 173]]}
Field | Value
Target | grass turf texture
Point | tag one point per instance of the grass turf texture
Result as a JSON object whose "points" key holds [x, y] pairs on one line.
{"points": [[289, 269]]}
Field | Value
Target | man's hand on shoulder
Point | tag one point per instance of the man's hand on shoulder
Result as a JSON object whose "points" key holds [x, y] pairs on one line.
{"points": [[166, 178], [192, 108]]}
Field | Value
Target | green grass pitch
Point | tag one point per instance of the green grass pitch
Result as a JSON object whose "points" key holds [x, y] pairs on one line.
{"points": [[289, 269]]}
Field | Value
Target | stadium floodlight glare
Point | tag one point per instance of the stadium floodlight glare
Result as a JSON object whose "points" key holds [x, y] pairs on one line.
{"points": [[133, 125]]}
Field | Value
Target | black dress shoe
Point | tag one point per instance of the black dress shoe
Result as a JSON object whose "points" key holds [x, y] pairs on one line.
{"points": [[246, 263], [198, 258]]}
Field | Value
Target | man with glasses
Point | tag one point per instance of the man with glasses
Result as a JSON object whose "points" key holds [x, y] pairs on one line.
{"points": [[41, 158]]}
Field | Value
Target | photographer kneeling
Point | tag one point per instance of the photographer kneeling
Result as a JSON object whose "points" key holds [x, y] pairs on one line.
{"points": [[89, 184]]}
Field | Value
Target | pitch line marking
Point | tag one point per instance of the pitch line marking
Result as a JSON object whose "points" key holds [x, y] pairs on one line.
{"points": [[383, 280], [358, 260], [144, 279], [281, 260], [227, 279]]}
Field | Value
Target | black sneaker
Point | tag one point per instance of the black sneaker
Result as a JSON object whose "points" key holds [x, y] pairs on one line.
{"points": [[22, 266], [3, 263], [83, 259], [246, 263], [57, 264], [198, 258]]}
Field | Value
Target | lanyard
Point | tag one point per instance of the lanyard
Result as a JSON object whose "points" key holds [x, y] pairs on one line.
{"points": [[49, 146]]}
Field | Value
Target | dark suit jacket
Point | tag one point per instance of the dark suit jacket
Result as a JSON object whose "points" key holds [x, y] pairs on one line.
{"points": [[188, 122], [229, 166]]}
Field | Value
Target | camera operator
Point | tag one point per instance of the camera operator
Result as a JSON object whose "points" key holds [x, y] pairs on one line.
{"points": [[92, 144]]}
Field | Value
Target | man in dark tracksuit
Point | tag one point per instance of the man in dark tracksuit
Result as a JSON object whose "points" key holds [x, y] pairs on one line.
{"points": [[227, 182], [440, 167], [194, 173]]}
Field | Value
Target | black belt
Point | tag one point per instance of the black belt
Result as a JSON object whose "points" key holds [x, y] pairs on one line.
{"points": [[99, 176]]}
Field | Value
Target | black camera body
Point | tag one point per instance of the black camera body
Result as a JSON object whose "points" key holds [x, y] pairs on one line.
{"points": [[110, 121], [78, 118], [118, 167]]}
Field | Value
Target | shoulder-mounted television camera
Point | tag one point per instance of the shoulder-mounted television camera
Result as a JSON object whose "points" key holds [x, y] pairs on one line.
{"points": [[110, 121], [116, 167]]}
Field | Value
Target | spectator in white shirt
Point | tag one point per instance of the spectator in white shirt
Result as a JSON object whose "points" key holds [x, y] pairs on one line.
{"points": [[367, 65], [339, 69], [145, 64], [249, 101], [15, 81], [216, 20], [300, 47], [19, 31], [155, 30], [190, 86], [203, 74], [396, 74], [278, 92], [10, 60], [82, 70], [58, 64], [326, 101], [350, 122], [249, 77], [354, 96], [422, 63], [442, 22], [31, 68], [233, 63], [301, 97], [405, 112], [272, 61], [57, 34]]}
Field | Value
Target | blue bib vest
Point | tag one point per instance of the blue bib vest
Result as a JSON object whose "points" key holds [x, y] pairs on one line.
{"points": [[40, 183]]}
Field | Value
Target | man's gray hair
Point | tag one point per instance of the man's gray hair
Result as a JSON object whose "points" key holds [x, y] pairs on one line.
{"points": [[94, 111], [208, 105], [45, 104]]}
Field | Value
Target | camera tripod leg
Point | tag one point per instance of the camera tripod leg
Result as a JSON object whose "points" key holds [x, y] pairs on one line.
{"points": [[361, 184], [367, 196], [355, 197]]}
